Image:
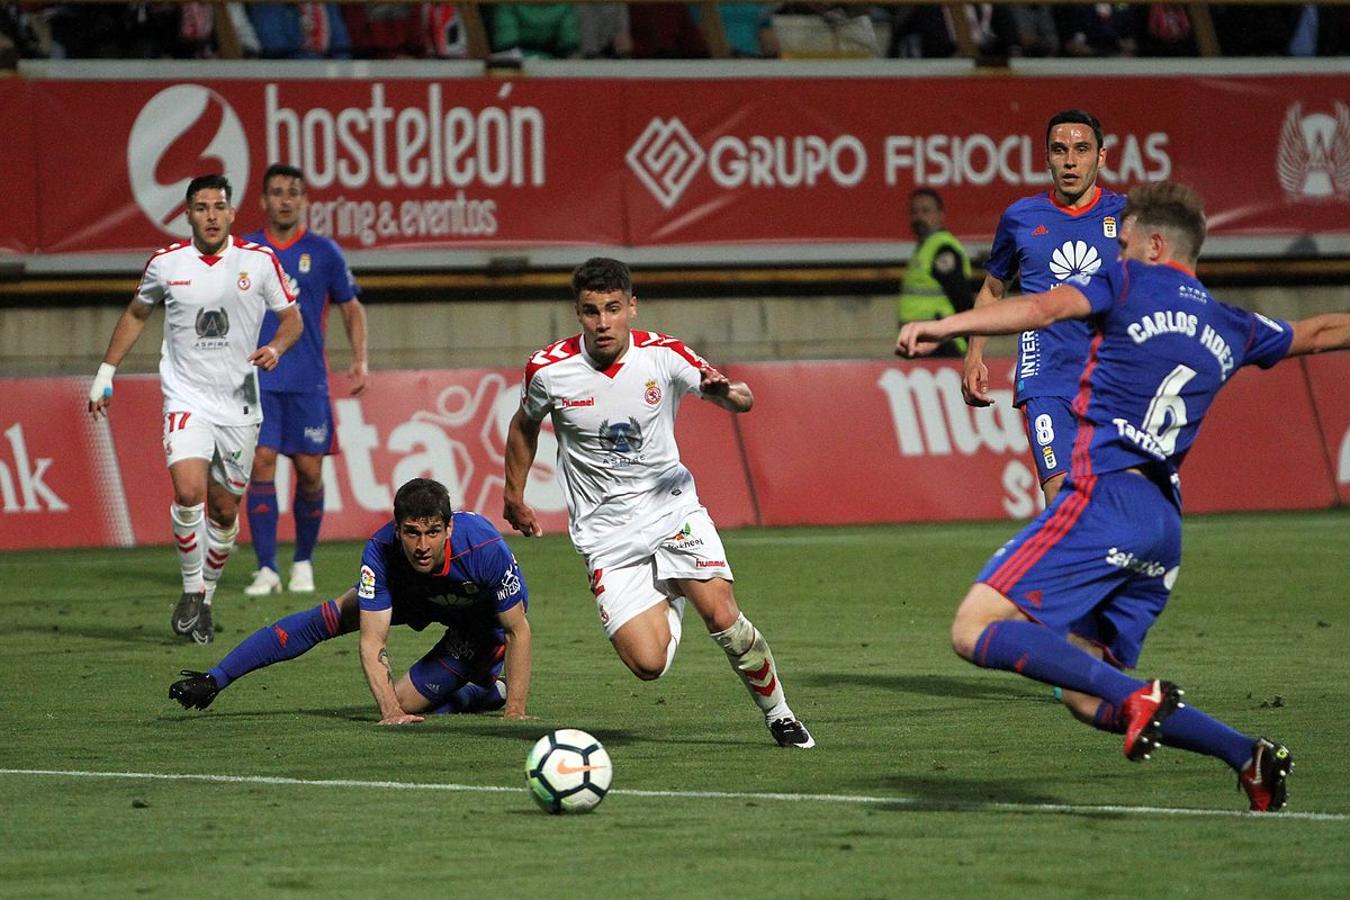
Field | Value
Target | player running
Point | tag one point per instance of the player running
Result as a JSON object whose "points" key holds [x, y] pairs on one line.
{"points": [[1101, 560], [430, 565], [214, 289], [298, 415], [634, 513], [1045, 240]]}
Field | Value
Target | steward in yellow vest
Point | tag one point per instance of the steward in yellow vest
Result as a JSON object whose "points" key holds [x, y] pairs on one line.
{"points": [[937, 279]]}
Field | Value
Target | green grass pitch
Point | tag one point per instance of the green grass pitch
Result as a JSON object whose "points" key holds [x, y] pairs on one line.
{"points": [[930, 778]]}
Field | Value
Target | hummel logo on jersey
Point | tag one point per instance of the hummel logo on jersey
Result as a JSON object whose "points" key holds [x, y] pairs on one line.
{"points": [[1040, 231], [569, 404], [186, 283]]}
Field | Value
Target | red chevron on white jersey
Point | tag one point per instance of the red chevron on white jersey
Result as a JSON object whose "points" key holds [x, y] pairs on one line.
{"points": [[559, 350], [656, 339]]}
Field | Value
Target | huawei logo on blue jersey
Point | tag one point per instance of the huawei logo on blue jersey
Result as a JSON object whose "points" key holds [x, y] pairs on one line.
{"points": [[1075, 258]]}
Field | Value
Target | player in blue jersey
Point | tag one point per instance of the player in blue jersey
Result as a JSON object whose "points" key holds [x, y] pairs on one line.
{"points": [[1100, 562], [1043, 241], [430, 565], [297, 414]]}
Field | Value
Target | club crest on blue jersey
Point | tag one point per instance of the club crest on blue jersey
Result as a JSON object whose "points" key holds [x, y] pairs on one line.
{"points": [[1109, 227], [306, 261]]}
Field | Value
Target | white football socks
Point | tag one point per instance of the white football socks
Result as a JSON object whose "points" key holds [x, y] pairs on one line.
{"points": [[750, 657], [219, 544], [187, 527]]}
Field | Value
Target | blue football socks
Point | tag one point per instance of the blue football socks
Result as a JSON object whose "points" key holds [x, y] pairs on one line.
{"points": [[287, 639], [1190, 729], [1037, 652], [308, 518], [262, 522]]}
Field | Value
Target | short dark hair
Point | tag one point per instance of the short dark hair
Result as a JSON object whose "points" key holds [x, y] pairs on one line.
{"points": [[927, 192], [600, 275], [422, 498], [1074, 117], [281, 170], [207, 183], [1171, 205]]}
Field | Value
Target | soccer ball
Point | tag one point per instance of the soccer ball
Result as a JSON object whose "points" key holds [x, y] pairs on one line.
{"points": [[568, 771]]}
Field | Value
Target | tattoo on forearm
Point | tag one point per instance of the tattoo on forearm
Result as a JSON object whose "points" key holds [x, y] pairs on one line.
{"points": [[384, 660]]}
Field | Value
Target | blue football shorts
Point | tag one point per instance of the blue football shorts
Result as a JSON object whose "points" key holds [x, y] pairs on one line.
{"points": [[1051, 428], [298, 423], [1099, 562], [453, 663]]}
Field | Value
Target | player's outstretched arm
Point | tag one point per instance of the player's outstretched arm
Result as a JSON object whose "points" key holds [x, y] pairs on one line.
{"points": [[522, 442], [733, 396], [354, 320], [375, 662], [1026, 313], [519, 660], [125, 334], [1319, 334], [975, 379]]}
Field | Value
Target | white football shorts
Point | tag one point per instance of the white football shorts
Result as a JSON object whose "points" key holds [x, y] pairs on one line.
{"points": [[230, 448], [694, 552]]}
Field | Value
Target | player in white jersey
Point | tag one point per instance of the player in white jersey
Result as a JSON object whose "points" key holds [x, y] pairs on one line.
{"points": [[633, 512], [214, 289]]}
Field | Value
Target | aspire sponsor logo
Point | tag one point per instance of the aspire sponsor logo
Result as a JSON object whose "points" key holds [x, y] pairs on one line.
{"points": [[1312, 161]]}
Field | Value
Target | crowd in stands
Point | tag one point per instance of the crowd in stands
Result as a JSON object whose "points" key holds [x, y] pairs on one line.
{"points": [[658, 30]]}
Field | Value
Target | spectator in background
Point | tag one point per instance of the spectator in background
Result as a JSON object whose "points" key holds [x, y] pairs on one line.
{"points": [[1099, 29], [665, 31], [536, 30], [748, 28], [300, 31], [1033, 31], [1166, 31], [604, 31], [405, 31], [937, 279]]}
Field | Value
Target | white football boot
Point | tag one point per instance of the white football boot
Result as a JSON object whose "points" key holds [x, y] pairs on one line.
{"points": [[302, 577], [265, 581]]}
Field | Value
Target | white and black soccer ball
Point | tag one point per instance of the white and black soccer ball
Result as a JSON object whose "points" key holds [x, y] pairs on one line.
{"points": [[568, 771]]}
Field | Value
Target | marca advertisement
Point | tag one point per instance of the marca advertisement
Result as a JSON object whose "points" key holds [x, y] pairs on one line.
{"points": [[483, 163], [827, 443]]}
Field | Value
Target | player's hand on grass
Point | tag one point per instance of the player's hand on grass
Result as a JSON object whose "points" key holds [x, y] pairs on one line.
{"points": [[975, 384], [520, 716], [358, 376], [402, 719], [521, 516], [265, 357]]}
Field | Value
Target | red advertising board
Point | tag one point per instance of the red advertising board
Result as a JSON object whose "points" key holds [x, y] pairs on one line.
{"points": [[484, 163], [827, 443]]}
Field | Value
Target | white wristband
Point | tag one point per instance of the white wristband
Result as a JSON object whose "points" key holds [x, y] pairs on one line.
{"points": [[102, 386]]}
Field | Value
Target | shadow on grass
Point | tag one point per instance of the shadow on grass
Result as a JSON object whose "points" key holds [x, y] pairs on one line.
{"points": [[973, 687], [926, 793], [123, 634]]}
